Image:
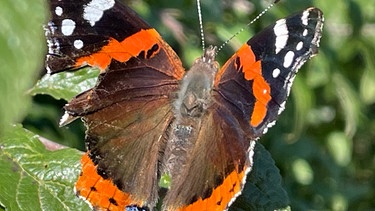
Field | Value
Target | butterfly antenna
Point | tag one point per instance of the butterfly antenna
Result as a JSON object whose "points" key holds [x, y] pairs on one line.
{"points": [[247, 25], [201, 23]]}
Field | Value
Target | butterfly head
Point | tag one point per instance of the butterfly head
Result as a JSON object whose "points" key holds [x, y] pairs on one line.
{"points": [[209, 55]]}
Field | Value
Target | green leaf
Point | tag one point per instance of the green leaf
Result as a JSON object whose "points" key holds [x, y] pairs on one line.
{"points": [[302, 98], [21, 55], [350, 103], [263, 189], [165, 181], [66, 85], [33, 178], [367, 85], [340, 147], [302, 171]]}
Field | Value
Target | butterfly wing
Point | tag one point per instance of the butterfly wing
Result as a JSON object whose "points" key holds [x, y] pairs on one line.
{"points": [[257, 80], [249, 93], [129, 110], [217, 167]]}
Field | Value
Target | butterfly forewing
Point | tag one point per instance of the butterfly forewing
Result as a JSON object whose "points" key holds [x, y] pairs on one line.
{"points": [[256, 81]]}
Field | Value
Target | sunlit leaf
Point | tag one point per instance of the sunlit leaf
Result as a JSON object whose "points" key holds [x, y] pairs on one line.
{"points": [[66, 85], [33, 178], [21, 55], [340, 147], [303, 172]]}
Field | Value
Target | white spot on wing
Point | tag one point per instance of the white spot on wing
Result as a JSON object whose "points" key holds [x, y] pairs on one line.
{"points": [[269, 125], [53, 43], [299, 46], [78, 44], [67, 27], [93, 11], [64, 118], [288, 59], [83, 198], [67, 118], [53, 46], [305, 32], [281, 32], [290, 83], [265, 130], [305, 17], [50, 29], [276, 72], [281, 108], [58, 11]]}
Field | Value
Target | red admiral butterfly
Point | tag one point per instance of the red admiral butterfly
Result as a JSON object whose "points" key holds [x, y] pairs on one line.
{"points": [[147, 117]]}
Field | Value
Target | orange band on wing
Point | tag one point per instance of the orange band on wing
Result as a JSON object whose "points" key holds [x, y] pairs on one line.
{"points": [[221, 195], [122, 51], [252, 70], [100, 193]]}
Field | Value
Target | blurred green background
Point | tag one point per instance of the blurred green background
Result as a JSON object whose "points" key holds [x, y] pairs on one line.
{"points": [[323, 143]]}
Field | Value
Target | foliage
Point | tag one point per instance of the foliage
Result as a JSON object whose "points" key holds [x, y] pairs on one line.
{"points": [[33, 178], [20, 52], [323, 143]]}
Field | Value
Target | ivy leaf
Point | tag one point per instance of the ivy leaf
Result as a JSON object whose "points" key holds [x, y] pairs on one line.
{"points": [[33, 178]]}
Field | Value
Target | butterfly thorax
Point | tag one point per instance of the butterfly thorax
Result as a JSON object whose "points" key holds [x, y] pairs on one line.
{"points": [[194, 95], [195, 88]]}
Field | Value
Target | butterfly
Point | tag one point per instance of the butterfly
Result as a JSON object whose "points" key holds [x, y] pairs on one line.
{"points": [[147, 117]]}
